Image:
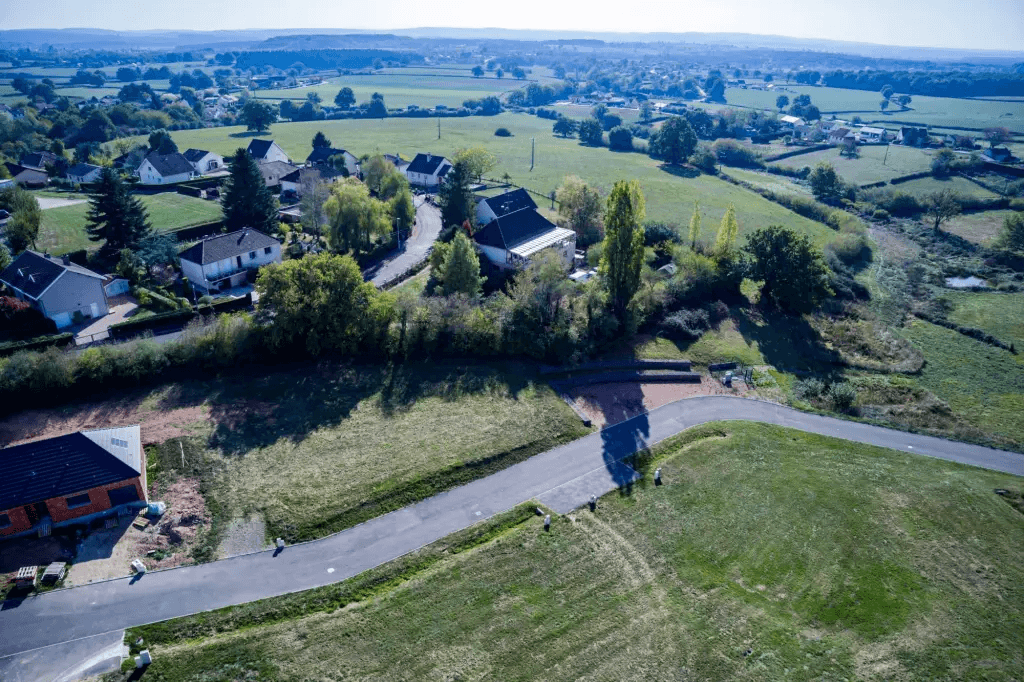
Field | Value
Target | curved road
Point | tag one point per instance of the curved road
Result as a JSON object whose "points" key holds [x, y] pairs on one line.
{"points": [[563, 479], [415, 249]]}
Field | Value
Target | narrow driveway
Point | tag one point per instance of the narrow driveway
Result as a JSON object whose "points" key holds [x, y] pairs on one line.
{"points": [[54, 202], [563, 479], [424, 234]]}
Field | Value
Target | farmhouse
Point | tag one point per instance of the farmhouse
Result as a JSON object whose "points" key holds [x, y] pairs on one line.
{"points": [[322, 155], [829, 126], [397, 161], [867, 135], [998, 154], [915, 137], [71, 479], [56, 287], [839, 135], [27, 177], [163, 169], [203, 161], [266, 151], [83, 172], [791, 122], [274, 171], [427, 170], [514, 231], [226, 259]]}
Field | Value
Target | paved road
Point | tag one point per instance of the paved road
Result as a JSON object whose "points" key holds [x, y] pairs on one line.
{"points": [[562, 478], [424, 233]]}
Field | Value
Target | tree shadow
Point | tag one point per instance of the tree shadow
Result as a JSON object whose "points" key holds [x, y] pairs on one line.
{"points": [[622, 440], [788, 342], [680, 171], [249, 133]]}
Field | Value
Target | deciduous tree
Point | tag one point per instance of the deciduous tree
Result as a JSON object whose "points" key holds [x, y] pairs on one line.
{"points": [[581, 207], [477, 161], [1011, 238], [257, 115], [792, 271], [356, 218], [160, 141], [622, 259], [22, 227], [674, 142], [941, 206], [728, 229], [345, 98], [591, 133], [461, 271], [694, 232]]}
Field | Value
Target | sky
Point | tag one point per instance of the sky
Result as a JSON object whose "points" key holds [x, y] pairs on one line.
{"points": [[975, 24]]}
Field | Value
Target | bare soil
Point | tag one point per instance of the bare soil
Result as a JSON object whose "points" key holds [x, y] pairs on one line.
{"points": [[608, 404]]}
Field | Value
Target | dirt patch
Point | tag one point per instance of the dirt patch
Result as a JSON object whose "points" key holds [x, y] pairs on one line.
{"points": [[164, 543], [608, 404], [243, 536]]}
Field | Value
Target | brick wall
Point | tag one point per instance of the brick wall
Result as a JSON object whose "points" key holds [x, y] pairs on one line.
{"points": [[19, 521], [98, 501]]}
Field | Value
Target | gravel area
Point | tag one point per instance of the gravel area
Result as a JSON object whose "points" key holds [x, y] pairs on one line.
{"points": [[243, 536]]}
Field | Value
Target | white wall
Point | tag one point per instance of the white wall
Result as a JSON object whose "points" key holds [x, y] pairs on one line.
{"points": [[149, 176], [275, 153]]}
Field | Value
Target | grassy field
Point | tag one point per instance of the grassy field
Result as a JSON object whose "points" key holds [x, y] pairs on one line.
{"points": [[768, 555], [982, 384], [401, 89], [670, 197], [580, 111], [1001, 315], [959, 185], [872, 165], [776, 183], [982, 227], [63, 229], [345, 444]]}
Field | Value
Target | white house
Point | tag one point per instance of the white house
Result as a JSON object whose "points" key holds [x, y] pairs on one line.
{"points": [[868, 135], [203, 161], [828, 126], [224, 260], [83, 172], [514, 232], [839, 135], [791, 122], [265, 151], [293, 181], [163, 169], [322, 155], [427, 170]]}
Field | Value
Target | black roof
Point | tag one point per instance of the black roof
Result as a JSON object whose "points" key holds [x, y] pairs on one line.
{"points": [[32, 272], [259, 148], [80, 169], [426, 164], [37, 471], [169, 164], [321, 154], [229, 245], [38, 160], [193, 155], [26, 176], [513, 229], [510, 202]]}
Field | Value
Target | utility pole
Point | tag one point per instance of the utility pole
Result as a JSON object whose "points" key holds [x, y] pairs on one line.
{"points": [[886, 154], [533, 149], [439, 127]]}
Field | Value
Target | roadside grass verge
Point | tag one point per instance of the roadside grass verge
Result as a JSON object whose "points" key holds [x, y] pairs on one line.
{"points": [[767, 554]]}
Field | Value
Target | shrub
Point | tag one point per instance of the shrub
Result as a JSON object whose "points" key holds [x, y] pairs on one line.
{"points": [[659, 233], [503, 132], [881, 215], [808, 389], [731, 153], [850, 248], [841, 396], [686, 324], [705, 160]]}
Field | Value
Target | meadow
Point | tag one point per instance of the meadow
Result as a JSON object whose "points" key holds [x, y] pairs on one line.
{"points": [[999, 314], [962, 186], [768, 554], [425, 90], [874, 163], [980, 227], [669, 196], [63, 229]]}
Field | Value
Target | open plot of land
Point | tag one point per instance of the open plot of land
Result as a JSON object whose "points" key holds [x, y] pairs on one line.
{"points": [[999, 314], [875, 163], [63, 229], [582, 111], [768, 554], [776, 183], [669, 196], [980, 227], [961, 186], [401, 89]]}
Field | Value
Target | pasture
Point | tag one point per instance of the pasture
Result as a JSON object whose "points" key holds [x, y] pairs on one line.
{"points": [[669, 196], [981, 227], [999, 314], [875, 162], [961, 186], [425, 90], [769, 554], [63, 229]]}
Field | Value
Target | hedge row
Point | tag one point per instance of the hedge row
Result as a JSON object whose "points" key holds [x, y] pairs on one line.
{"points": [[972, 332], [808, 208], [38, 343], [130, 328], [908, 178], [798, 152]]}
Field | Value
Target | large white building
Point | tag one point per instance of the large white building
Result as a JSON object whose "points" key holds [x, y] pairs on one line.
{"points": [[165, 169]]}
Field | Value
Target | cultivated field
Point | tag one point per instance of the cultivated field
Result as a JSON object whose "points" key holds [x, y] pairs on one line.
{"points": [[63, 229], [768, 554], [669, 196], [875, 163]]}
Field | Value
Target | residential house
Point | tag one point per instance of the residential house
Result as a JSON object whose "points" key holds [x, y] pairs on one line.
{"points": [[321, 155], [27, 177], [397, 161], [839, 135], [224, 260], [293, 181], [829, 126], [790, 122], [998, 154], [71, 479], [911, 136], [38, 160], [867, 135], [164, 169], [273, 171], [514, 231], [266, 150], [203, 161], [427, 170], [83, 173], [56, 287]]}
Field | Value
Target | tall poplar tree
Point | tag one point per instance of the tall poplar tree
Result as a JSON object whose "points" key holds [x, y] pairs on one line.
{"points": [[623, 244], [694, 226], [727, 232], [247, 201]]}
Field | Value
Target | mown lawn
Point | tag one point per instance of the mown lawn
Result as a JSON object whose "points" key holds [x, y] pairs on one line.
{"points": [[669, 196], [63, 229], [769, 554]]}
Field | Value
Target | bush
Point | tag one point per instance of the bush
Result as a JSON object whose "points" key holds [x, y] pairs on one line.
{"points": [[660, 233], [841, 396], [503, 132], [686, 324], [881, 215], [705, 160], [731, 153], [808, 389], [850, 248]]}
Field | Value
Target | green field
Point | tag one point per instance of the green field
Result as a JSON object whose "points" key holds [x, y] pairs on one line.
{"points": [[63, 229], [669, 197], [401, 89], [1001, 315], [582, 111], [875, 163], [961, 186], [982, 227], [345, 444], [776, 183], [769, 554]]}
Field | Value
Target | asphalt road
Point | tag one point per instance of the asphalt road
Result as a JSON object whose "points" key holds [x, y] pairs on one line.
{"points": [[563, 479], [424, 234]]}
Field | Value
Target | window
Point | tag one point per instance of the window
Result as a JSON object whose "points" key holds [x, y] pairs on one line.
{"points": [[267, 250], [252, 255], [77, 500], [119, 443], [5, 520]]}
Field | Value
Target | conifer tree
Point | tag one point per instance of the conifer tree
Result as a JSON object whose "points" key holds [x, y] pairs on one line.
{"points": [[247, 201], [115, 217], [462, 269]]}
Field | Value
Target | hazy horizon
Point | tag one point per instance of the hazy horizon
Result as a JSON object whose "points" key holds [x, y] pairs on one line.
{"points": [[993, 25]]}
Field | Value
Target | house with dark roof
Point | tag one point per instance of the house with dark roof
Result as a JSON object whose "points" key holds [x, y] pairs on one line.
{"points": [[37, 160], [225, 260], [164, 169], [203, 161], [83, 173], [912, 136], [998, 154], [266, 150], [273, 171], [294, 181], [427, 170], [322, 155], [514, 231], [56, 287], [397, 161], [27, 177], [71, 479]]}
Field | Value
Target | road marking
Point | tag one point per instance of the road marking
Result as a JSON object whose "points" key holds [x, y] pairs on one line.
{"points": [[478, 513], [330, 570]]}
